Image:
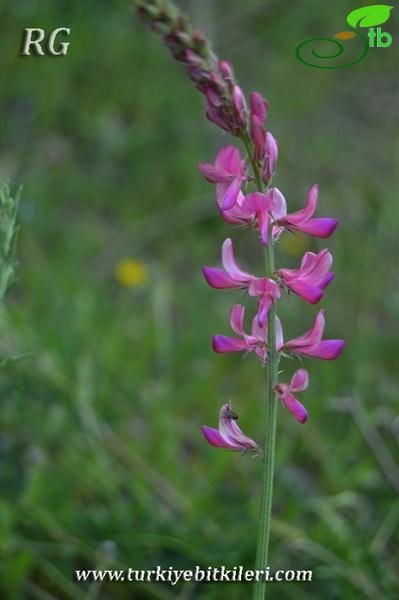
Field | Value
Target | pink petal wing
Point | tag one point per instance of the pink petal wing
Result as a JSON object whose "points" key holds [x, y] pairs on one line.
{"points": [[306, 213], [231, 194], [237, 314], [235, 214], [231, 432], [213, 174], [224, 343], [321, 228], [214, 438], [279, 335], [264, 286], [311, 337], [219, 279], [310, 293], [299, 381], [326, 349], [327, 280], [295, 407], [229, 160], [276, 204], [230, 264]]}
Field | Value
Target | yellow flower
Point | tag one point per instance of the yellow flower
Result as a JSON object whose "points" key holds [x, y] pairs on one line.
{"points": [[293, 244], [131, 273]]}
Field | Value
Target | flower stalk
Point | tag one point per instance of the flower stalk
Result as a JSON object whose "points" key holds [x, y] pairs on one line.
{"points": [[267, 480], [265, 212]]}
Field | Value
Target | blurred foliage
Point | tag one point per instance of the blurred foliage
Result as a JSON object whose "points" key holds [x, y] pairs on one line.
{"points": [[101, 457]]}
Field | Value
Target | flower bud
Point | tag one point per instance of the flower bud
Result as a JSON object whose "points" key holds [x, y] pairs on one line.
{"points": [[239, 107], [258, 135], [259, 106], [271, 155]]}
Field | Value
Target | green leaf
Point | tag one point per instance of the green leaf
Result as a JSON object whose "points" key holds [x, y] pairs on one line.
{"points": [[369, 16]]}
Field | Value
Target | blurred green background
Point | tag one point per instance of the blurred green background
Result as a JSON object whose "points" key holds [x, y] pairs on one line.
{"points": [[102, 461]]}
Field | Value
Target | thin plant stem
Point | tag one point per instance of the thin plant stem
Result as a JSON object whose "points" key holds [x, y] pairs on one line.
{"points": [[266, 499]]}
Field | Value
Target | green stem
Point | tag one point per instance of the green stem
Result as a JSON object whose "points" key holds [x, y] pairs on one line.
{"points": [[262, 552]]}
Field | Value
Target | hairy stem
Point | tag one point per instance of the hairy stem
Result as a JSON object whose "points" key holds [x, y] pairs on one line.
{"points": [[266, 499]]}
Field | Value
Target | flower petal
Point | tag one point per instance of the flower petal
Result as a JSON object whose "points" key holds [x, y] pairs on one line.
{"points": [[230, 264], [279, 335], [295, 407], [229, 160], [326, 349], [219, 279], [299, 381], [224, 343], [310, 293], [311, 337], [327, 280], [321, 228], [306, 213], [230, 431], [276, 204], [264, 286], [230, 197], [237, 314], [213, 174], [214, 438]]}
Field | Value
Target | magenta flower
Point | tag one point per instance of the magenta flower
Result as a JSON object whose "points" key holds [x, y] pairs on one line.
{"points": [[233, 277], [312, 344], [266, 290], [229, 171], [302, 219], [299, 382], [265, 208], [272, 208], [228, 435], [311, 279], [254, 342]]}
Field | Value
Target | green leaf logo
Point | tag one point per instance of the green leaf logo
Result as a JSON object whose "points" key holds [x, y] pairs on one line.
{"points": [[369, 16]]}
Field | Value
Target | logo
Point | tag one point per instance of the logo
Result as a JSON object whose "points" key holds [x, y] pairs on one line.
{"points": [[369, 17]]}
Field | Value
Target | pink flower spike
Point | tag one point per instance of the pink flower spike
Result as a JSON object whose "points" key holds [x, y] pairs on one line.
{"points": [[311, 279], [302, 219], [271, 156], [259, 107], [312, 344], [299, 382], [228, 435]]}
